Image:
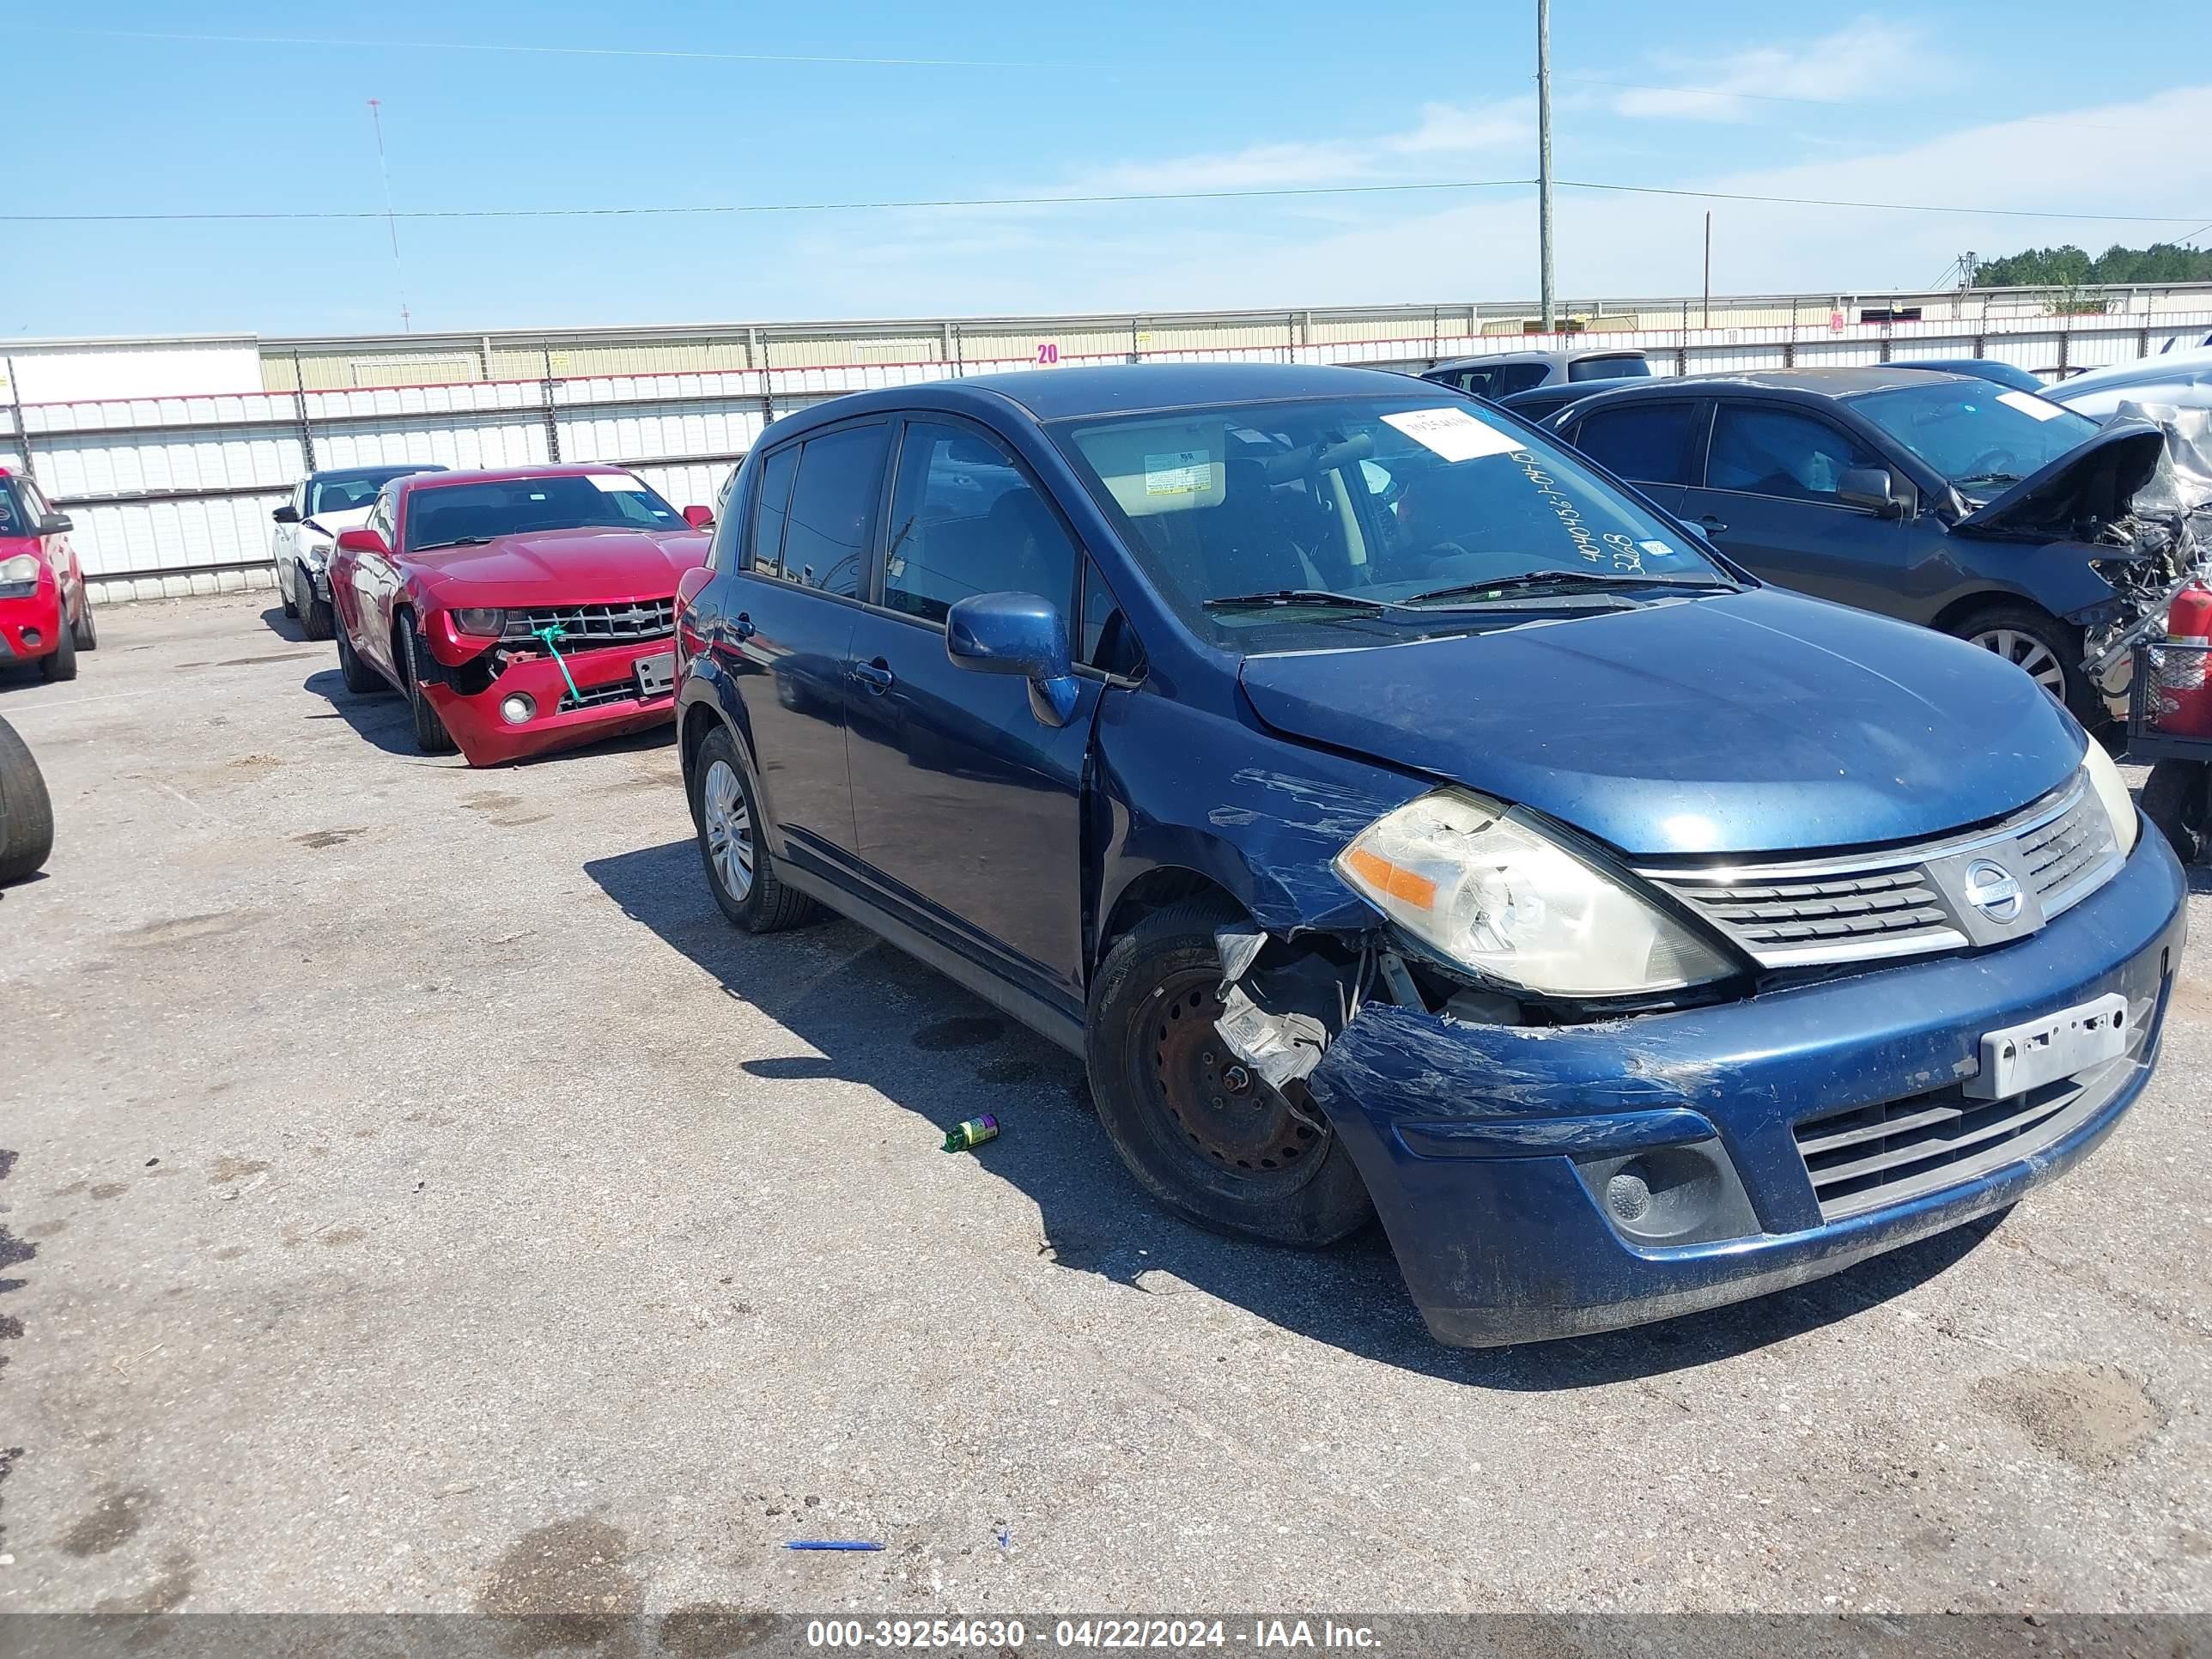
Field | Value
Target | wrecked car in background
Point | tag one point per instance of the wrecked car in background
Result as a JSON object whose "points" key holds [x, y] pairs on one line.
{"points": [[518, 611], [1400, 817], [1987, 513]]}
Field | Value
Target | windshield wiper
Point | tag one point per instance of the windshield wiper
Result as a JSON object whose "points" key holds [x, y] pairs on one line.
{"points": [[1540, 579], [1989, 478], [1313, 596], [457, 541]]}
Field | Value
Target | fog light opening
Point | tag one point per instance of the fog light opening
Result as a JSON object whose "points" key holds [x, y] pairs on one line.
{"points": [[518, 708], [33, 639]]}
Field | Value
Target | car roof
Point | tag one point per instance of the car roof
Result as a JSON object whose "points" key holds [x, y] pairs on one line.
{"points": [[389, 469], [1554, 359], [510, 474], [1838, 384], [1052, 394]]}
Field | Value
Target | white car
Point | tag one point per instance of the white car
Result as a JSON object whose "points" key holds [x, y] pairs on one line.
{"points": [[307, 525], [2182, 377]]}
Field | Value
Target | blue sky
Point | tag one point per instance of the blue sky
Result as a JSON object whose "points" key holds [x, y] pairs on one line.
{"points": [[1941, 103]]}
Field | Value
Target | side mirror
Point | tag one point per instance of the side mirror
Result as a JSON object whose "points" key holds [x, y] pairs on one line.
{"points": [[699, 518], [286, 513], [362, 541], [1877, 487], [1016, 634], [56, 524]]}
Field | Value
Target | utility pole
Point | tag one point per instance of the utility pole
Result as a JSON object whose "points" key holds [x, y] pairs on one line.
{"points": [[391, 223], [1544, 156]]}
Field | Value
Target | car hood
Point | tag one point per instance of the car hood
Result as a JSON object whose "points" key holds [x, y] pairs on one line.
{"points": [[1751, 722], [332, 522], [574, 567], [2096, 480]]}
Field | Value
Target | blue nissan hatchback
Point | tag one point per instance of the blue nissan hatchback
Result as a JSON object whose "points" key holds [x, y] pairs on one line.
{"points": [[1401, 817]]}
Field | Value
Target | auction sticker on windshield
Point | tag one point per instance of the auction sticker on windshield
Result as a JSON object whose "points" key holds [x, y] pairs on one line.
{"points": [[1452, 433], [2028, 403], [1180, 472], [615, 483]]}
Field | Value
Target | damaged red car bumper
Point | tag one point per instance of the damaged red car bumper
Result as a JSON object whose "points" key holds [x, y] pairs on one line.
{"points": [[615, 701]]}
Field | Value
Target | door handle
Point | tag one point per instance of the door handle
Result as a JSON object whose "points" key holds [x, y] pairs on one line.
{"points": [[1712, 523], [876, 676], [743, 630]]}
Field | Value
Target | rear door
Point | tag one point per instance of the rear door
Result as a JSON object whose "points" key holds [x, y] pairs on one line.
{"points": [[967, 806], [786, 633], [1769, 500], [1658, 447]]}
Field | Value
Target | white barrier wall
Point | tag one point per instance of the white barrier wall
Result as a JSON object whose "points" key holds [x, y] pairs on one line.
{"points": [[172, 492]]}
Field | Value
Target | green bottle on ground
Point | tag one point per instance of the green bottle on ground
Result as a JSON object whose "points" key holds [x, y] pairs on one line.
{"points": [[965, 1137]]}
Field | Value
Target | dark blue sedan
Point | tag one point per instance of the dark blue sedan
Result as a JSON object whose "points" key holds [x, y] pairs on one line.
{"points": [[1400, 817]]}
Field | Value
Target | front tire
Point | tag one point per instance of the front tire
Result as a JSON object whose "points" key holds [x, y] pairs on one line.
{"points": [[314, 614], [2175, 799], [2045, 649], [60, 663], [1199, 1131], [26, 811], [360, 679], [738, 868], [430, 734]]}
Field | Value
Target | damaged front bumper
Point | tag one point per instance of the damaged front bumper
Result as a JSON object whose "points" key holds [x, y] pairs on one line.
{"points": [[1543, 1181], [607, 678]]}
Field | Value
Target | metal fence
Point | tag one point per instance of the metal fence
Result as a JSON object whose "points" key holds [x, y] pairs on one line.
{"points": [[172, 494]]}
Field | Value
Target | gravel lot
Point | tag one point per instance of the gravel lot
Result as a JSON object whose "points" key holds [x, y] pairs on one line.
{"points": [[421, 1200]]}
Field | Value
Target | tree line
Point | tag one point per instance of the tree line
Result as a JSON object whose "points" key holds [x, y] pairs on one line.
{"points": [[2071, 267]]}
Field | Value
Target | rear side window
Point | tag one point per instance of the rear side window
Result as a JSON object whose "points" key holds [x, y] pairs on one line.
{"points": [[833, 507], [767, 558], [1608, 368], [1763, 450], [1650, 443], [965, 519]]}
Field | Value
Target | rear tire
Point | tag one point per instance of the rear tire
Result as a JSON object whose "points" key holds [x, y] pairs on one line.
{"points": [[1232, 1156], [430, 734], [87, 631], [284, 598], [60, 663], [26, 811], [731, 847], [360, 679], [2047, 649], [2175, 797]]}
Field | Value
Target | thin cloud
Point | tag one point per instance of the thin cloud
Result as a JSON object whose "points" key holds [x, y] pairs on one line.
{"points": [[1444, 131], [1856, 62]]}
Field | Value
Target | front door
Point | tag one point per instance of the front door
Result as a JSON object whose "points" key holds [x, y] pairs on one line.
{"points": [[1769, 502], [965, 803]]}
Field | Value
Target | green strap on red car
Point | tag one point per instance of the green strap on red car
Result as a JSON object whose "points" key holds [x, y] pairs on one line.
{"points": [[553, 634]]}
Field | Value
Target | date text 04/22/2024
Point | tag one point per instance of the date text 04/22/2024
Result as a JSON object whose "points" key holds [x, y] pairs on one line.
{"points": [[1103, 1634]]}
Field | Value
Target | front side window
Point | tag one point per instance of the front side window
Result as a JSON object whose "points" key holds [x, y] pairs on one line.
{"points": [[466, 515], [833, 507], [1976, 434], [1650, 443], [1392, 510], [965, 519], [1763, 450]]}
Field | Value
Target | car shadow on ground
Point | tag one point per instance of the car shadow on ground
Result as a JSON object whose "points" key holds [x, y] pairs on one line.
{"points": [[878, 1017], [286, 627], [380, 717]]}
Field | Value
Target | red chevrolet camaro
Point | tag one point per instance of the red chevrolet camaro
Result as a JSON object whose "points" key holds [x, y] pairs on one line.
{"points": [[516, 611]]}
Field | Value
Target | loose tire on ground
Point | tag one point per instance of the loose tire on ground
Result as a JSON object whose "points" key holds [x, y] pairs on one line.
{"points": [[2175, 797], [739, 869], [360, 679], [1235, 1159], [430, 734], [27, 813]]}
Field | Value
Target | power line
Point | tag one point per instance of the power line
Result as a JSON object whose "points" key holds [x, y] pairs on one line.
{"points": [[544, 51], [1088, 199]]}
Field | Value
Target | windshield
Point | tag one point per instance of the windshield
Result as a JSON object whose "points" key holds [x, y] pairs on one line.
{"points": [[350, 495], [446, 514], [1976, 433], [1394, 500]]}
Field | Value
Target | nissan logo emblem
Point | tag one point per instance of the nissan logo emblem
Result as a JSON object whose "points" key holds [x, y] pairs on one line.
{"points": [[1992, 890]]}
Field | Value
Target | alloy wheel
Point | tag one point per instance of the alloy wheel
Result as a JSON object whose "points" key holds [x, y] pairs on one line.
{"points": [[2026, 653], [729, 830]]}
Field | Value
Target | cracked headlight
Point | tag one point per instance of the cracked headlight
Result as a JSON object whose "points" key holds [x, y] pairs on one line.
{"points": [[2112, 791], [1506, 901]]}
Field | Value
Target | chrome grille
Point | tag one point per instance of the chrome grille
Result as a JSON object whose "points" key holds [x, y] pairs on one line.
{"points": [[587, 625], [1871, 1156], [1901, 900]]}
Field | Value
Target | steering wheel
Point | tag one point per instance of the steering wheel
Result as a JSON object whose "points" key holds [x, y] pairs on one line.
{"points": [[1989, 461]]}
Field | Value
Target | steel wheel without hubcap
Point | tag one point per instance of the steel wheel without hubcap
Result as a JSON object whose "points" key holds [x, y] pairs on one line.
{"points": [[729, 830], [2026, 653], [1229, 1121]]}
